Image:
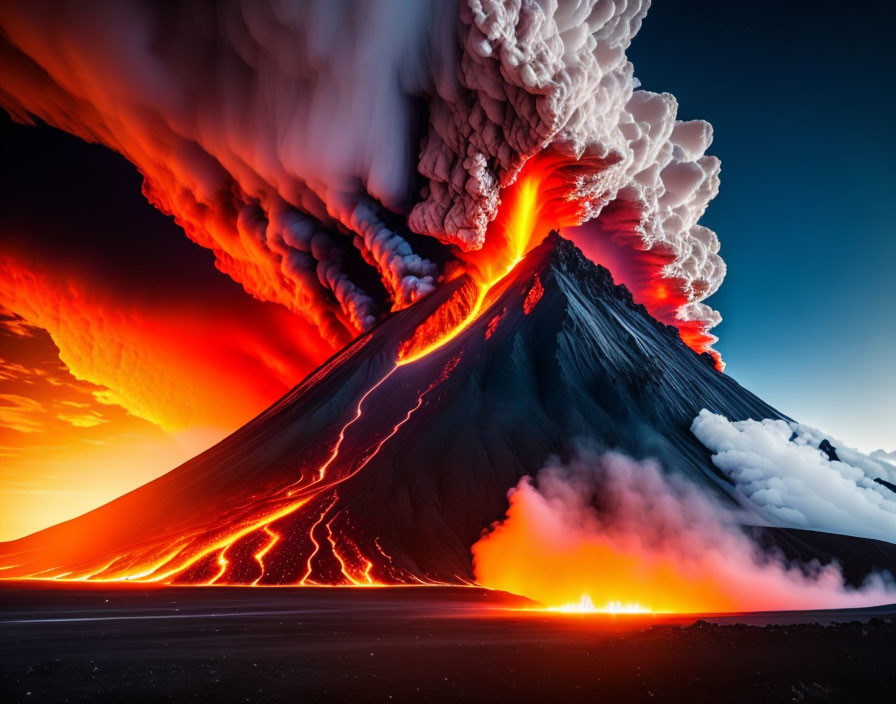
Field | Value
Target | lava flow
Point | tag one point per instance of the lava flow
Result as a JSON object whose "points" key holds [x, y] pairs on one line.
{"points": [[299, 533], [258, 532], [541, 199], [205, 556]]}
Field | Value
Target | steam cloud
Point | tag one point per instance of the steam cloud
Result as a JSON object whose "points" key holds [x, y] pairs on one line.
{"points": [[620, 530], [884, 456], [306, 143], [784, 470]]}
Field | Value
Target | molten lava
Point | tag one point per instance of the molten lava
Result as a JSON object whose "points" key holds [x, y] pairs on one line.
{"points": [[295, 533], [540, 200], [534, 296], [217, 553]]}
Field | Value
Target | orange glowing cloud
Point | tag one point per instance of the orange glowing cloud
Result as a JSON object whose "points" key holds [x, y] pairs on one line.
{"points": [[63, 451], [183, 368], [214, 201], [103, 388], [608, 533]]}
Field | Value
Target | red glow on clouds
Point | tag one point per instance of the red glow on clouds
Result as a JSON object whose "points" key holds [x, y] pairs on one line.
{"points": [[612, 240], [541, 199], [181, 368], [180, 178]]}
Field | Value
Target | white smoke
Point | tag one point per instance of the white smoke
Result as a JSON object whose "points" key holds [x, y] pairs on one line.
{"points": [[614, 529], [778, 466], [884, 456], [534, 78], [282, 134]]}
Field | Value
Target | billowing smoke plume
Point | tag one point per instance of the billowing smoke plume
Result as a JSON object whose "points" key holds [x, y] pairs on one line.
{"points": [[618, 531], [801, 477], [310, 144]]}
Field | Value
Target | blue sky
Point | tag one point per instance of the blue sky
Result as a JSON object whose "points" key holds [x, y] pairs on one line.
{"points": [[802, 103]]}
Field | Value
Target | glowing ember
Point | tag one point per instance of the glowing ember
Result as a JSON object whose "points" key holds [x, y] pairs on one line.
{"points": [[534, 296], [493, 324]]}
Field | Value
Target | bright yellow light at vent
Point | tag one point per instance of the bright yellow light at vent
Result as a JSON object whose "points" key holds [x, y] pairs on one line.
{"points": [[586, 606]]}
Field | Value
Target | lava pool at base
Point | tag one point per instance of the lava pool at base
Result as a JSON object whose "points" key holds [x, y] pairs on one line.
{"points": [[88, 643]]}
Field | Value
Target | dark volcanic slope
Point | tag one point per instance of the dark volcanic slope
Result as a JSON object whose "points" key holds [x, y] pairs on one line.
{"points": [[426, 463]]}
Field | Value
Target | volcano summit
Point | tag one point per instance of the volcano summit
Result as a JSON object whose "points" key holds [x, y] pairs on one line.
{"points": [[377, 471]]}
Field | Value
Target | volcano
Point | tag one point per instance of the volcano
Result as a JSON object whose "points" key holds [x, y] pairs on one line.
{"points": [[386, 464]]}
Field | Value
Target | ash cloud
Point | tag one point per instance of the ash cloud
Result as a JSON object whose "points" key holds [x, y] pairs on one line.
{"points": [[307, 142], [615, 529], [801, 477]]}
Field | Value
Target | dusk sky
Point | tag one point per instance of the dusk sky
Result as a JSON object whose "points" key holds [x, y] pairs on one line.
{"points": [[802, 118], [190, 354]]}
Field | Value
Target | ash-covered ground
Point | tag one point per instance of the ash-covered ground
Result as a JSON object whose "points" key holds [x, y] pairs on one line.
{"points": [[98, 643]]}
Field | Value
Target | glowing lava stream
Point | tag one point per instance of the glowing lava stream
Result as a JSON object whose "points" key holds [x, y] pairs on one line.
{"points": [[516, 233], [519, 231], [222, 564], [259, 556], [153, 572], [222, 546], [334, 453], [452, 364], [308, 566], [343, 566]]}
